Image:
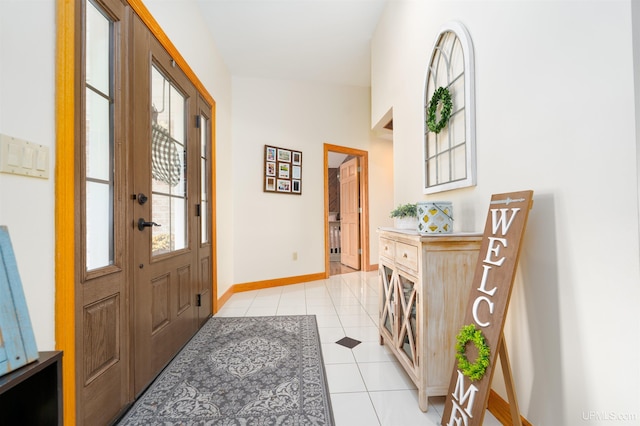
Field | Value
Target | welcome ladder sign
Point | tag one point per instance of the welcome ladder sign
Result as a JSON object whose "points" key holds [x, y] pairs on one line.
{"points": [[480, 338]]}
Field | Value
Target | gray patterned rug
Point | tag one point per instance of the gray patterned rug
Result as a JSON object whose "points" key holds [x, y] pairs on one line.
{"points": [[242, 371]]}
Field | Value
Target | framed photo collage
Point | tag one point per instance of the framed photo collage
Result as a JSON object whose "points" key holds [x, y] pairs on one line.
{"points": [[282, 170]]}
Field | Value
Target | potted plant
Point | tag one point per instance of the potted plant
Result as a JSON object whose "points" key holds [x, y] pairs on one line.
{"points": [[406, 216]]}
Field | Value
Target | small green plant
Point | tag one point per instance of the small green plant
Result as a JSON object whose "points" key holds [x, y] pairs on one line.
{"points": [[405, 210]]}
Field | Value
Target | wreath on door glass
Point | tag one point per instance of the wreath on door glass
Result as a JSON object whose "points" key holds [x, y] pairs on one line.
{"points": [[440, 95]]}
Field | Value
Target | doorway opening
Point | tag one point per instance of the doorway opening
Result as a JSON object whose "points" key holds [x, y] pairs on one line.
{"points": [[346, 215]]}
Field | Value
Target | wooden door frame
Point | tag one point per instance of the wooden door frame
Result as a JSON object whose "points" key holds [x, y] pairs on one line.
{"points": [[365, 264], [67, 73]]}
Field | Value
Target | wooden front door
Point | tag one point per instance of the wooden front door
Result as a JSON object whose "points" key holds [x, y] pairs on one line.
{"points": [[350, 213], [165, 251], [145, 158]]}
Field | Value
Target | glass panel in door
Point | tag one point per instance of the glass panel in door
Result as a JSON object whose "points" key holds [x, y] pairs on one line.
{"points": [[168, 166], [388, 300], [204, 180], [407, 307], [99, 180]]}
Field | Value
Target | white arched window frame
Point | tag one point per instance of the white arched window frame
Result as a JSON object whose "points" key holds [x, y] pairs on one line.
{"points": [[450, 155]]}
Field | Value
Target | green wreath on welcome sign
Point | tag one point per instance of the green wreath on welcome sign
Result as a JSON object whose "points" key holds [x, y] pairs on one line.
{"points": [[441, 94], [475, 371]]}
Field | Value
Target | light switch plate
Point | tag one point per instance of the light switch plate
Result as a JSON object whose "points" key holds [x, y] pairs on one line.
{"points": [[20, 157]]}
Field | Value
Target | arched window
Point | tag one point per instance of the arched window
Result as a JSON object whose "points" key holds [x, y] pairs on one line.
{"points": [[450, 153]]}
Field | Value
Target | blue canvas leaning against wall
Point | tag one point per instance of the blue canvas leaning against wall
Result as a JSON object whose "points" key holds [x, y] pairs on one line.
{"points": [[17, 342]]}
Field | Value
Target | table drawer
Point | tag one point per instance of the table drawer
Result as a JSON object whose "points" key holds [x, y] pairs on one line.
{"points": [[406, 255], [387, 248]]}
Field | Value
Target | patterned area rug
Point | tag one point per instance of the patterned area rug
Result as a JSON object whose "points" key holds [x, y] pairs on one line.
{"points": [[242, 371]]}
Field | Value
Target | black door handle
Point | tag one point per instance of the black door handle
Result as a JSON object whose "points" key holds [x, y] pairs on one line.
{"points": [[143, 224]]}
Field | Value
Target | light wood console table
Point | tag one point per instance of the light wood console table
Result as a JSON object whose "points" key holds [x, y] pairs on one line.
{"points": [[424, 287]]}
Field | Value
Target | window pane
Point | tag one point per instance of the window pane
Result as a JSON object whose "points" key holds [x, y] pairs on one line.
{"points": [[161, 235], [443, 168], [168, 165], [204, 232], [204, 220], [204, 180], [457, 59], [431, 172], [99, 250], [177, 122], [431, 144], [459, 163], [457, 94], [97, 58], [457, 129], [169, 212], [98, 150], [99, 219], [442, 143], [178, 223]]}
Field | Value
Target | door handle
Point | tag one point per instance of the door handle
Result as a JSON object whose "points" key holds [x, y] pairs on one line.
{"points": [[143, 224]]}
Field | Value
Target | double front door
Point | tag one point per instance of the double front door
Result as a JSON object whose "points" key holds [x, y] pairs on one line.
{"points": [[145, 282]]}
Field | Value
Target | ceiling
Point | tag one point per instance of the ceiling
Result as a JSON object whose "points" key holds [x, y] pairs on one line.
{"points": [[308, 40]]}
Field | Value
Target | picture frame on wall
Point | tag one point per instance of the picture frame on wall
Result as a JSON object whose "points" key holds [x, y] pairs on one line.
{"points": [[284, 185], [282, 170], [284, 155], [271, 168], [270, 154], [297, 158], [271, 184]]}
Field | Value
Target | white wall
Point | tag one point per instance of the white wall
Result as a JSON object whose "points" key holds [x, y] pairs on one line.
{"points": [[270, 227], [27, 72], [555, 113], [380, 191]]}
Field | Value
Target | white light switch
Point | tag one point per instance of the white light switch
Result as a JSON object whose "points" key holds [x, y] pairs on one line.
{"points": [[27, 157], [42, 159], [20, 157], [14, 152]]}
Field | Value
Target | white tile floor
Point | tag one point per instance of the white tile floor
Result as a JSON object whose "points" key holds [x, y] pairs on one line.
{"points": [[368, 387]]}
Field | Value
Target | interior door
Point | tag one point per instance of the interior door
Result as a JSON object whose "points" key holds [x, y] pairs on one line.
{"points": [[350, 214], [165, 228]]}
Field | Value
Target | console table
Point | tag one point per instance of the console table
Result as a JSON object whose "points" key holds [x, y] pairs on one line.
{"points": [[32, 394], [424, 286]]}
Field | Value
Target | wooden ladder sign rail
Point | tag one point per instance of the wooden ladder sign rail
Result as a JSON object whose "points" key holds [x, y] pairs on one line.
{"points": [[17, 342], [481, 337], [508, 379]]}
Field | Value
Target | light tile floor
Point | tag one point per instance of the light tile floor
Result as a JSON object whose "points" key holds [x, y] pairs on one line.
{"points": [[368, 387]]}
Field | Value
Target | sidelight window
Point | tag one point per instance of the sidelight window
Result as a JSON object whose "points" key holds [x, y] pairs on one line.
{"points": [[99, 134], [205, 178]]}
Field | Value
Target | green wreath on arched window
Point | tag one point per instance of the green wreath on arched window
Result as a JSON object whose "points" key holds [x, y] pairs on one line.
{"points": [[475, 371], [441, 94]]}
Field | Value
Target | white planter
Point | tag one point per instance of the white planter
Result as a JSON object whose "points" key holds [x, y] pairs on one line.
{"points": [[406, 223]]}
